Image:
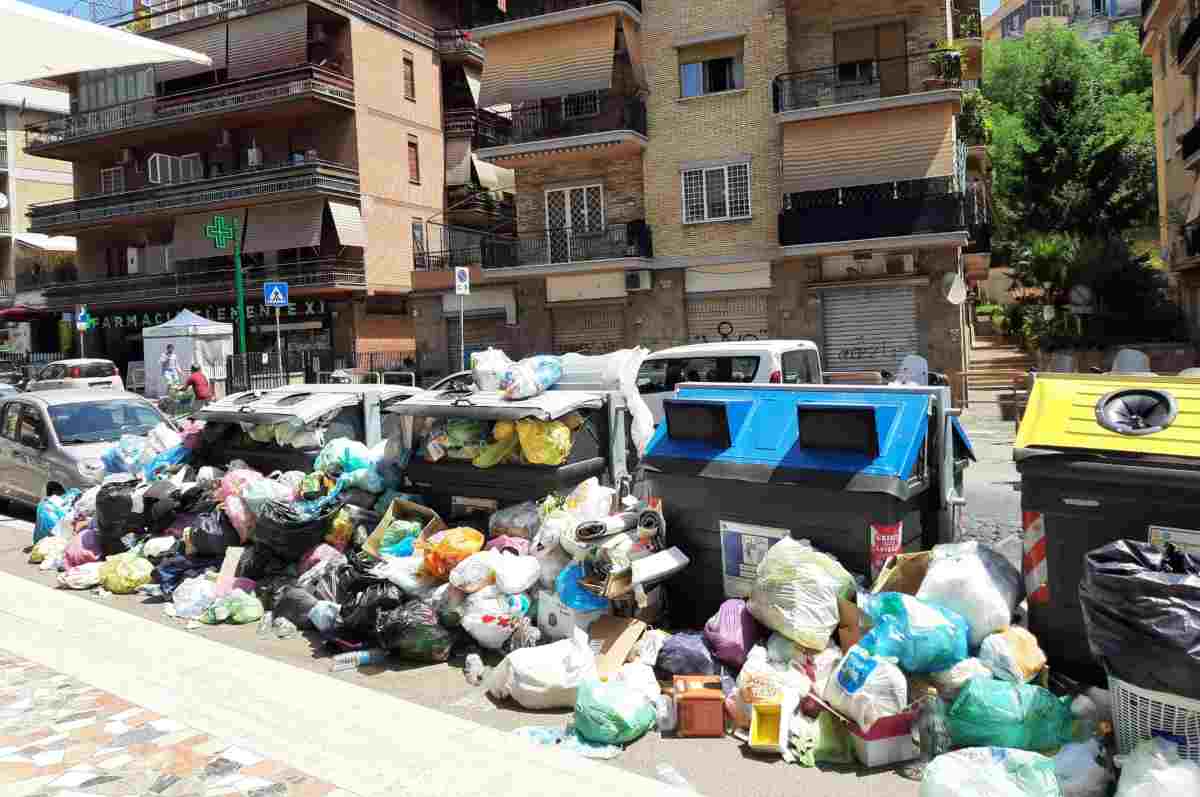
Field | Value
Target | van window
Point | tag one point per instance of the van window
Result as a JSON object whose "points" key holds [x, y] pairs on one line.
{"points": [[658, 376], [98, 370], [801, 367], [12, 412]]}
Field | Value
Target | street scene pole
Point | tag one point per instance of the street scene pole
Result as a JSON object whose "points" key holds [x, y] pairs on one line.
{"points": [[240, 287]]}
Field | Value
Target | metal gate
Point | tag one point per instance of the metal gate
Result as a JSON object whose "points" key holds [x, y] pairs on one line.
{"points": [[589, 330], [478, 334], [869, 329], [741, 316]]}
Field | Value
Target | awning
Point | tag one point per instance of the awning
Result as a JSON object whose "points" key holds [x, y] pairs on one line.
{"points": [[474, 78], [287, 225], [190, 242], [23, 312], [633, 43], [47, 243], [549, 62], [492, 177], [348, 221], [271, 40], [36, 43], [458, 161]]}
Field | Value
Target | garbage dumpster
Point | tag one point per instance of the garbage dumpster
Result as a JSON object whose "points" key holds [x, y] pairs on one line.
{"points": [[739, 466], [1101, 458]]}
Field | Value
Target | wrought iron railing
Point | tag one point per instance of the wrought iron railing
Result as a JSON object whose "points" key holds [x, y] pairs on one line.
{"points": [[525, 9], [575, 115], [458, 43], [485, 128], [313, 175], [290, 84], [868, 80], [446, 247], [882, 210], [319, 273], [476, 199]]}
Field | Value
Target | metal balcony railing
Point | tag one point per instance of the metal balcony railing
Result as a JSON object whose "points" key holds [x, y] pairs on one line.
{"points": [[319, 273], [525, 9], [310, 176], [447, 247], [868, 80], [5, 221], [291, 84], [574, 115], [3, 153], [882, 210], [485, 128], [8, 291], [458, 43], [461, 199]]}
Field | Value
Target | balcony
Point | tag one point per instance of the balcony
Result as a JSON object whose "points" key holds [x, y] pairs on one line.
{"points": [[306, 275], [1185, 48], [580, 120], [523, 10], [240, 187], [483, 127], [1191, 239], [474, 206], [930, 209], [3, 154], [458, 45], [865, 85], [5, 221], [8, 292], [448, 247], [301, 89], [1190, 147]]}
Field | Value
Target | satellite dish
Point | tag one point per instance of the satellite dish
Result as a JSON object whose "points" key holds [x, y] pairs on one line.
{"points": [[954, 288], [3, 201]]}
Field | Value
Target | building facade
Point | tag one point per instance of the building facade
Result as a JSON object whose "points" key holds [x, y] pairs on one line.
{"points": [[1094, 19], [699, 170]]}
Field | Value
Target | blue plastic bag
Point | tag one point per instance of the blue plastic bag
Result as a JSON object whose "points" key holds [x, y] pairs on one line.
{"points": [[124, 455], [530, 377], [403, 548], [50, 510], [575, 596], [923, 638], [343, 455], [368, 479], [164, 460]]}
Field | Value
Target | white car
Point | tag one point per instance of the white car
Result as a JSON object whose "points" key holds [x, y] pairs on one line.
{"points": [[789, 362], [85, 374]]}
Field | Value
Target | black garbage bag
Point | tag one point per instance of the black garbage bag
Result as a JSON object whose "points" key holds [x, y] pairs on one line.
{"points": [[335, 582], [261, 564], [294, 604], [412, 632], [114, 515], [687, 654], [361, 612], [161, 504], [174, 570], [200, 497], [210, 535], [1141, 608], [289, 532]]}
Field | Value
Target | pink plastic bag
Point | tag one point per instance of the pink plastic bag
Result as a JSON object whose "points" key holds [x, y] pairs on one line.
{"points": [[517, 545], [191, 431], [244, 584], [731, 632], [84, 548], [317, 555], [235, 482], [239, 515]]}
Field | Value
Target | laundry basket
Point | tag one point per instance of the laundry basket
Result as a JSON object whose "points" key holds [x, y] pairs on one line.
{"points": [[1144, 714]]}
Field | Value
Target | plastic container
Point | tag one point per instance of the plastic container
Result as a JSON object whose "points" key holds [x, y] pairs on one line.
{"points": [[765, 723], [701, 705], [1144, 714], [889, 740]]}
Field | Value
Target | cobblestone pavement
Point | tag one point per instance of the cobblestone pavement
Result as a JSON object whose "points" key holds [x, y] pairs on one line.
{"points": [[993, 511], [60, 737]]}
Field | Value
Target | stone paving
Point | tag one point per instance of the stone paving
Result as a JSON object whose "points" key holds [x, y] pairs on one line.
{"points": [[60, 737]]}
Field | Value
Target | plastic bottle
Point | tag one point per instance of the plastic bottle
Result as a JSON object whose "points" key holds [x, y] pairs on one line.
{"points": [[264, 625], [932, 731], [473, 669], [354, 659]]}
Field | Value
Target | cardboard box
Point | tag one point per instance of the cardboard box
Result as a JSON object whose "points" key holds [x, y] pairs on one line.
{"points": [[889, 741], [612, 639], [652, 613], [850, 624], [404, 510], [557, 620], [903, 573]]}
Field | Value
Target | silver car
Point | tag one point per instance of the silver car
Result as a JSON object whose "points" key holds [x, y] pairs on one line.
{"points": [[52, 440]]}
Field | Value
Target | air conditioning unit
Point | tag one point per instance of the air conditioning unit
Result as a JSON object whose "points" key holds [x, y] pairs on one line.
{"points": [[901, 264], [224, 139], [126, 156], [638, 280], [253, 157]]}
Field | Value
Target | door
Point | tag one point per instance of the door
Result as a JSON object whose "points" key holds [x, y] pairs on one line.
{"points": [[869, 329], [28, 444], [730, 317], [589, 330], [478, 335], [574, 218], [893, 63]]}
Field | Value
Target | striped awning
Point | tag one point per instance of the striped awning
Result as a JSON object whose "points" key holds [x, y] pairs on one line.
{"points": [[458, 161], [287, 225], [190, 241], [549, 62], [348, 222]]}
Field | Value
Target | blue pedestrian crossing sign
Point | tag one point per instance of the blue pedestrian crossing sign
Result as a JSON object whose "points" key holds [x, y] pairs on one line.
{"points": [[275, 294]]}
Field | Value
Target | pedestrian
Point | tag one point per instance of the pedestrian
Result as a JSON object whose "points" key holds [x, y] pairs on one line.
{"points": [[200, 386], [169, 365]]}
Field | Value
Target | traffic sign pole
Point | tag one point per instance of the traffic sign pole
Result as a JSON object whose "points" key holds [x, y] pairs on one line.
{"points": [[462, 286], [275, 294], [278, 340]]}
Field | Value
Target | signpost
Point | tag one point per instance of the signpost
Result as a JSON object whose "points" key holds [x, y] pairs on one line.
{"points": [[275, 294], [221, 232], [462, 287], [83, 322]]}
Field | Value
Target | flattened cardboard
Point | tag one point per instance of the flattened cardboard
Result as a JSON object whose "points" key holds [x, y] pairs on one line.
{"points": [[404, 509], [850, 622], [228, 573], [903, 573], [612, 640]]}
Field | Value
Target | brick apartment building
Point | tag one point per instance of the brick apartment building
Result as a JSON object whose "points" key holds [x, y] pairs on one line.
{"points": [[687, 170]]}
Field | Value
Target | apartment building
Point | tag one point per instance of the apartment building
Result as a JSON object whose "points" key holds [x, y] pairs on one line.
{"points": [[1094, 19], [316, 137], [1171, 38], [699, 170]]}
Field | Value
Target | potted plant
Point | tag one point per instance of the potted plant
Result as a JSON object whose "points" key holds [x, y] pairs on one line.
{"points": [[945, 68]]}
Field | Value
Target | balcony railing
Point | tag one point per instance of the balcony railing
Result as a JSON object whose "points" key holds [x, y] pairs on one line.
{"points": [[310, 176], [291, 84], [5, 221], [868, 80], [463, 199], [1187, 40], [883, 210], [320, 273], [8, 291], [3, 153], [447, 247], [458, 43], [526, 9], [1190, 143], [485, 128], [573, 116]]}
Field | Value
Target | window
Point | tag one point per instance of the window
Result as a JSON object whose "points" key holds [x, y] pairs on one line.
{"points": [[800, 367], [574, 217], [857, 72], [1099, 8], [171, 169], [32, 429], [711, 68], [715, 194], [414, 161], [100, 421], [577, 106], [410, 79], [112, 181], [103, 88], [661, 376], [12, 412], [418, 236]]}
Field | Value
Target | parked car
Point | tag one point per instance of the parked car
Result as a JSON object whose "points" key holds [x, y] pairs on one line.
{"points": [[461, 382], [51, 441], [789, 362], [89, 374]]}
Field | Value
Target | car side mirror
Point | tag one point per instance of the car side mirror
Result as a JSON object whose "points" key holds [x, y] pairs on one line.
{"points": [[33, 440]]}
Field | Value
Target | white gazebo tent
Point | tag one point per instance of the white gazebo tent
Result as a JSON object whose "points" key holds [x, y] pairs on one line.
{"points": [[196, 340]]}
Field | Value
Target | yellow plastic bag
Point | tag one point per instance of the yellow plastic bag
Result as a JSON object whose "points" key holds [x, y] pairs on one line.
{"points": [[495, 453], [503, 430], [341, 530], [544, 442], [1013, 655], [124, 573], [447, 548]]}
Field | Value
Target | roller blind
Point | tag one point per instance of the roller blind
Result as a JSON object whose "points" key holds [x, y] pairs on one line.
{"points": [[549, 62], [190, 242], [210, 41], [348, 221], [265, 42], [287, 225], [854, 45]]}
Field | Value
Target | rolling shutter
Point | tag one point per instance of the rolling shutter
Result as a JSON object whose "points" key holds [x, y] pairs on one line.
{"points": [[458, 161], [589, 330], [190, 242], [479, 332], [211, 41], [348, 222], [897, 144], [713, 318], [265, 42], [549, 62], [288, 225], [869, 329]]}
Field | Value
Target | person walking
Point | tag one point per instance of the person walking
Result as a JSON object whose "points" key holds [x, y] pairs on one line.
{"points": [[168, 364]]}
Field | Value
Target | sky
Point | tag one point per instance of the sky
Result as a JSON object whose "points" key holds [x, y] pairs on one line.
{"points": [[989, 6]]}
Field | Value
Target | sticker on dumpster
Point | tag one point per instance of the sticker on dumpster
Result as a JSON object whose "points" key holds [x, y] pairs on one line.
{"points": [[1186, 540], [886, 542], [743, 546], [855, 670]]}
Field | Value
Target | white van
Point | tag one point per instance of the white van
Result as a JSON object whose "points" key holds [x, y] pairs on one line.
{"points": [[791, 362]]}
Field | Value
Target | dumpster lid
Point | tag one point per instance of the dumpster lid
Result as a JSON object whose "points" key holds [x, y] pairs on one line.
{"points": [[492, 405], [306, 403], [963, 449], [776, 435], [1118, 413]]}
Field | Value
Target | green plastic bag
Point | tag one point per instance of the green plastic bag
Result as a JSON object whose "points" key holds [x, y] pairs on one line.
{"points": [[237, 607], [824, 740], [462, 432], [991, 771], [993, 713], [612, 713], [495, 453], [124, 573]]}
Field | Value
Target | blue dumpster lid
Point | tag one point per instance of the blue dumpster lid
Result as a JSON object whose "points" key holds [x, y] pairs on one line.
{"points": [[962, 443], [860, 441]]}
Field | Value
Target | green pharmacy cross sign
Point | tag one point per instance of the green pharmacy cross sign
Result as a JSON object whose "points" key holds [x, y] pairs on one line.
{"points": [[221, 232]]}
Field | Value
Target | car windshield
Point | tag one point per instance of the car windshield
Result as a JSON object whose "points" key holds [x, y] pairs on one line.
{"points": [[658, 376], [101, 421]]}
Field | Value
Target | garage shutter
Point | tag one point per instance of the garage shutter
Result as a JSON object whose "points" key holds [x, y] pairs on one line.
{"points": [[589, 330], [479, 333], [869, 329], [735, 317]]}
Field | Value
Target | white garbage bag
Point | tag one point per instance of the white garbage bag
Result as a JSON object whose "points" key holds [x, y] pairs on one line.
{"points": [[975, 581], [516, 574], [81, 577], [491, 617], [990, 772], [1078, 773], [545, 676], [1013, 655], [866, 688], [1154, 769], [640, 678], [796, 592], [487, 367], [950, 682]]}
